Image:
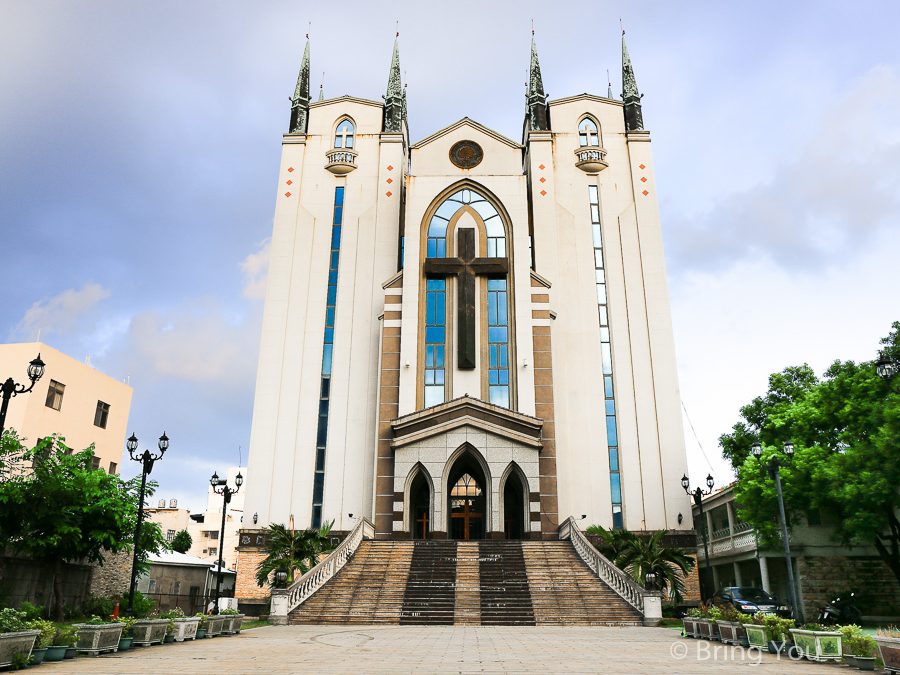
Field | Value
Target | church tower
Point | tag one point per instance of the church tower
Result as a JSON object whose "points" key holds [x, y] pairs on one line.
{"points": [[467, 337]]}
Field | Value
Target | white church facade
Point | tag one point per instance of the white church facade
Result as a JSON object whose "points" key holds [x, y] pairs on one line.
{"points": [[467, 336]]}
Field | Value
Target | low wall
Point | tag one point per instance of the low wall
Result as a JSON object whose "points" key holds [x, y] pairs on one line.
{"points": [[822, 577], [26, 579]]}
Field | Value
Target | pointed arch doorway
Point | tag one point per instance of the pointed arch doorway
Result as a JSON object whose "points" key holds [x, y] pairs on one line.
{"points": [[466, 499], [515, 506], [420, 506]]}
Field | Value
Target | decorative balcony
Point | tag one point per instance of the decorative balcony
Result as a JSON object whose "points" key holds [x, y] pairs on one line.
{"points": [[340, 162], [590, 159], [725, 542]]}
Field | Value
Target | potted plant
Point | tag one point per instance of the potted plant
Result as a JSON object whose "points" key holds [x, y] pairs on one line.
{"points": [[127, 633], [690, 622], [97, 636], [817, 643], [170, 617], [888, 641], [232, 624], [214, 624], [48, 632], [184, 627], [768, 631], [16, 639], [859, 649], [707, 622], [63, 641], [150, 631], [201, 625], [731, 627]]}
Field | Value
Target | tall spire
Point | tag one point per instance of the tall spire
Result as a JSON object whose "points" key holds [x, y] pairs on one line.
{"points": [[537, 111], [394, 112], [300, 99], [634, 119], [322, 87]]}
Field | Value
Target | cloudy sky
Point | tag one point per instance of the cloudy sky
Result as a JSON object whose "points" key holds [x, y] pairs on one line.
{"points": [[139, 145]]}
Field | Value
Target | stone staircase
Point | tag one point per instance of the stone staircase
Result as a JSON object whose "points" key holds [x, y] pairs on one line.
{"points": [[489, 582]]}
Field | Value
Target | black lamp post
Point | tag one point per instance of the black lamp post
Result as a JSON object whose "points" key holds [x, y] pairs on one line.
{"points": [[220, 487], [774, 466], [698, 494], [10, 388], [146, 458]]}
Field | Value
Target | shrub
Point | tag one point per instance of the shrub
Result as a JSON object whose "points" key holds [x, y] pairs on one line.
{"points": [[229, 611], [31, 611], [203, 620], [695, 613], [889, 632], [99, 606], [814, 626], [11, 620], [127, 626], [860, 645], [66, 636], [48, 632]]}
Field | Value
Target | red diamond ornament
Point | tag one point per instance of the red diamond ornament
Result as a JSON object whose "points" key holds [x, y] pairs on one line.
{"points": [[390, 180], [390, 167], [290, 169], [543, 180], [642, 166], [543, 193], [287, 194], [541, 167], [388, 193], [643, 179], [645, 193], [289, 182]]}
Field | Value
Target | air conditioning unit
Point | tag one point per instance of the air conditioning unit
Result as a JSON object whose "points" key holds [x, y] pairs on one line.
{"points": [[173, 503], [162, 503]]}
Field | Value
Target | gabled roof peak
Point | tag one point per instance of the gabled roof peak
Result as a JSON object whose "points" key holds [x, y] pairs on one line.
{"points": [[466, 121]]}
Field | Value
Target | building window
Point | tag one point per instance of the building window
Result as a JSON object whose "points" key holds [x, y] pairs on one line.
{"points": [[328, 349], [101, 415], [588, 133], [113, 467], [609, 402], [213, 534], [151, 585], [55, 394], [95, 462], [343, 135], [213, 551], [498, 342], [435, 340], [493, 224], [170, 535], [176, 588]]}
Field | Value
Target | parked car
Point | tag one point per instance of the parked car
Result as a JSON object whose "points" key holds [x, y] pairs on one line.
{"points": [[750, 600]]}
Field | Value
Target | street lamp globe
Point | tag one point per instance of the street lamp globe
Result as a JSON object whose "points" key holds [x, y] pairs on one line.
{"points": [[756, 449], [884, 366], [131, 444], [709, 481], [239, 480], [685, 482], [163, 443], [214, 481], [36, 369], [788, 449]]}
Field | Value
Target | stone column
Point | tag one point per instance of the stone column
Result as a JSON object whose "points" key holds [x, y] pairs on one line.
{"points": [[732, 519], [737, 574], [715, 575], [764, 575]]}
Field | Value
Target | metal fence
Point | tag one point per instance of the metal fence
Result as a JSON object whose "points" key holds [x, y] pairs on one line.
{"points": [[190, 604]]}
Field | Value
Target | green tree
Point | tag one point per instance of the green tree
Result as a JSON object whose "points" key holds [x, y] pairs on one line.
{"points": [[182, 541], [63, 510], [611, 542], [845, 429], [290, 550]]}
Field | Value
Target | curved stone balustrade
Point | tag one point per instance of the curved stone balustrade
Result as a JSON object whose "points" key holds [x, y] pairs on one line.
{"points": [[340, 162], [615, 578], [590, 159]]}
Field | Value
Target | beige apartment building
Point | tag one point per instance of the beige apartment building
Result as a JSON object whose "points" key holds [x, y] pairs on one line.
{"points": [[72, 399]]}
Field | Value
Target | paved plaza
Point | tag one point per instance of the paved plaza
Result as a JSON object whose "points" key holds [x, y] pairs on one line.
{"points": [[439, 649]]}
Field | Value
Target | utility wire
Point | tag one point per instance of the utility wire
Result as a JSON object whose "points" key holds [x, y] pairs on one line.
{"points": [[696, 437]]}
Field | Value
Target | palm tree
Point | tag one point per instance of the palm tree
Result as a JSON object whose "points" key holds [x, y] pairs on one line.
{"points": [[612, 542], [642, 556], [290, 550]]}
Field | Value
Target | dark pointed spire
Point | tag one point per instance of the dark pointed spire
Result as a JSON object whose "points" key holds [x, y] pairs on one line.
{"points": [[537, 111], [394, 112], [634, 119], [300, 99], [322, 87]]}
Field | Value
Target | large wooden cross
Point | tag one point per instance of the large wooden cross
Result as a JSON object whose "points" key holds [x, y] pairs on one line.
{"points": [[467, 517], [466, 267]]}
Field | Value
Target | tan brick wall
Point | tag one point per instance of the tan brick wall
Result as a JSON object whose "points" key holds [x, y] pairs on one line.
{"points": [[389, 397], [248, 558], [876, 588], [543, 402], [692, 583]]}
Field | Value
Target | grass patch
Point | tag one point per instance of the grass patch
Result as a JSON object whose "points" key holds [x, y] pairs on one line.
{"points": [[670, 622], [249, 624]]}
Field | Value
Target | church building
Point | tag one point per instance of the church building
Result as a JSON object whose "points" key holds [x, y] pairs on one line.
{"points": [[467, 336]]}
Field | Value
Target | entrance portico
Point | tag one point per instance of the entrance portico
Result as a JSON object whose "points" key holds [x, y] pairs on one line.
{"points": [[466, 470]]}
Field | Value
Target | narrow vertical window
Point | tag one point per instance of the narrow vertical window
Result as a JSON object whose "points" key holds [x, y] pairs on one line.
{"points": [[612, 433], [343, 135], [588, 133], [327, 355], [55, 395], [101, 414], [498, 342], [435, 340]]}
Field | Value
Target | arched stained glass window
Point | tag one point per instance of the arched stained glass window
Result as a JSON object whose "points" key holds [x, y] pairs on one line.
{"points": [[437, 228], [588, 133], [343, 135]]}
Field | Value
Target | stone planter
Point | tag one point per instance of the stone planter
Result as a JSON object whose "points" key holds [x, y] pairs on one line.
{"points": [[818, 645], [757, 636], [690, 627], [860, 662], [12, 644], [149, 632], [232, 624], [214, 625], [186, 629], [707, 629], [732, 633], [889, 648], [98, 639], [55, 653]]}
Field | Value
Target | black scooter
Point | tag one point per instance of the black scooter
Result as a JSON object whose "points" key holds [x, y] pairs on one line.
{"points": [[841, 610]]}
